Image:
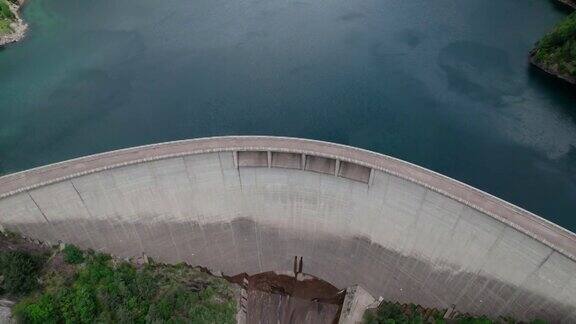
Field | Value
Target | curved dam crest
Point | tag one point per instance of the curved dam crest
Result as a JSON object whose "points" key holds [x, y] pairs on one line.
{"points": [[250, 204]]}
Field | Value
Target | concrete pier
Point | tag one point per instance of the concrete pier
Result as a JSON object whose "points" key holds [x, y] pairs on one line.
{"points": [[250, 204]]}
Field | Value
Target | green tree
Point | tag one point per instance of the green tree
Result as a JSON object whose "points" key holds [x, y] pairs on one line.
{"points": [[73, 255], [20, 271]]}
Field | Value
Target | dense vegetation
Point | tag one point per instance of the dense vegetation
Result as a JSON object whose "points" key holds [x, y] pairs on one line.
{"points": [[72, 254], [6, 17], [395, 313], [557, 51], [19, 271], [5, 11], [73, 286]]}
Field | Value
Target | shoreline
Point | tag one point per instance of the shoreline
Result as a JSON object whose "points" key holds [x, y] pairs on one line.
{"points": [[19, 26], [550, 71]]}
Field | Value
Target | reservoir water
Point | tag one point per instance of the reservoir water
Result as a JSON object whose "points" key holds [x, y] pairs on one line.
{"points": [[441, 83]]}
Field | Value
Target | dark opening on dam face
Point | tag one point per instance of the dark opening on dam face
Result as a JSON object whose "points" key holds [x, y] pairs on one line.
{"points": [[251, 204]]}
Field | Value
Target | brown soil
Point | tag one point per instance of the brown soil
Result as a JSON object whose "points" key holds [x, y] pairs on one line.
{"points": [[12, 242], [310, 288]]}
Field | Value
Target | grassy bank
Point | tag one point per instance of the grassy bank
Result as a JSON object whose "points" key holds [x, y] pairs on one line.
{"points": [[556, 52], [74, 286], [395, 313], [6, 17]]}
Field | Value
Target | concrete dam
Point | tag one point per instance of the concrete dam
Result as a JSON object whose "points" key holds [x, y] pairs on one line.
{"points": [[252, 204]]}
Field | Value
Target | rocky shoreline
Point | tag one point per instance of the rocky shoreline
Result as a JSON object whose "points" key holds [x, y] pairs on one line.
{"points": [[551, 70], [18, 26]]}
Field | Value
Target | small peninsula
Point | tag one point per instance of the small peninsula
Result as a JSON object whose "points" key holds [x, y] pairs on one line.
{"points": [[556, 52], [12, 27]]}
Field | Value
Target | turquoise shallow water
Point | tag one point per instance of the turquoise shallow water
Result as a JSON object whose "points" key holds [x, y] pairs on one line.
{"points": [[443, 83]]}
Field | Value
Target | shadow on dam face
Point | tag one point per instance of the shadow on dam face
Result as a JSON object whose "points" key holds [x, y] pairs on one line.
{"points": [[250, 204], [342, 261]]}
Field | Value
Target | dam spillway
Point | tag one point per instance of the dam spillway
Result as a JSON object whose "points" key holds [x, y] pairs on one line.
{"points": [[251, 204]]}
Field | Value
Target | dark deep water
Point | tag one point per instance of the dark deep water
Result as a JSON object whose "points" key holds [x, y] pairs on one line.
{"points": [[441, 83]]}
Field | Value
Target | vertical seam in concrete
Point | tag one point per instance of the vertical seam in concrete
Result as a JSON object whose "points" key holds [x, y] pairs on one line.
{"points": [[518, 289], [190, 222], [186, 169], [39, 209], [400, 253], [451, 231], [81, 198], [258, 246], [236, 164], [240, 181], [573, 314], [420, 208], [193, 249], [546, 259], [176, 247], [188, 177], [384, 195], [236, 245], [234, 216], [370, 180], [88, 209], [140, 241], [88, 212], [415, 223], [220, 166], [44, 215], [158, 192], [457, 220], [481, 266], [418, 212], [380, 210]]}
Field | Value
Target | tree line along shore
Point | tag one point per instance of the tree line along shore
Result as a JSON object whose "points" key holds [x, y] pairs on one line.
{"points": [[555, 53]]}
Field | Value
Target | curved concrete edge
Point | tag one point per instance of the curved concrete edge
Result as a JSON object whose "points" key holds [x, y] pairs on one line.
{"points": [[550, 234]]}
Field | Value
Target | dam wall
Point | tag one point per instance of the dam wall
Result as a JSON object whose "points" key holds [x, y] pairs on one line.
{"points": [[251, 204]]}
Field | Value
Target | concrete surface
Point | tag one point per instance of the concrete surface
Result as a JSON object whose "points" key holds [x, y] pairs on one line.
{"points": [[356, 302], [402, 232], [264, 307]]}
